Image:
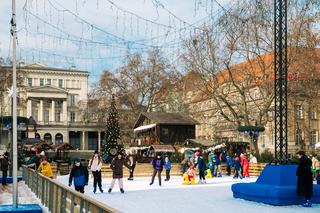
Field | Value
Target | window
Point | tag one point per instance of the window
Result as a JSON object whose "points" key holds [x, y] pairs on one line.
{"points": [[46, 116], [272, 136], [313, 114], [30, 82], [298, 136], [57, 115], [165, 131], [48, 81], [93, 140], [60, 83], [47, 138], [313, 137], [72, 116], [41, 81], [72, 100], [263, 139], [59, 138], [299, 112], [35, 114], [74, 139]]}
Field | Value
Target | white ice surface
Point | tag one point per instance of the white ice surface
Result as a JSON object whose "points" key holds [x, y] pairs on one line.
{"points": [[172, 196]]}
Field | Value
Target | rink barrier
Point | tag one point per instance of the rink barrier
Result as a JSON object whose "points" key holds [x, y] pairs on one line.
{"points": [[141, 170], [59, 198], [146, 170]]}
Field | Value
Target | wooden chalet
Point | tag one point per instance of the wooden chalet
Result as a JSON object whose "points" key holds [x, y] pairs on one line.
{"points": [[152, 128]]}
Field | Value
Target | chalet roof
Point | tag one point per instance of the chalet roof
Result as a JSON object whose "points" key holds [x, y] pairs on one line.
{"points": [[162, 148], [165, 118], [64, 146], [200, 142]]}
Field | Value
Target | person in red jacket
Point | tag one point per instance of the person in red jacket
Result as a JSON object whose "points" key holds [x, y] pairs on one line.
{"points": [[245, 165]]}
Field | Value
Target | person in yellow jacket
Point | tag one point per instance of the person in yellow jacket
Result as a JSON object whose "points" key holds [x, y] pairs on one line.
{"points": [[45, 168]]}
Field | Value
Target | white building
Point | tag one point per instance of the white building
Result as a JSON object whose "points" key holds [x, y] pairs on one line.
{"points": [[57, 100]]}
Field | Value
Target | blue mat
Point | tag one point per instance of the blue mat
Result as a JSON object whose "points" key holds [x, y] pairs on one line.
{"points": [[9, 179], [276, 185], [30, 208]]}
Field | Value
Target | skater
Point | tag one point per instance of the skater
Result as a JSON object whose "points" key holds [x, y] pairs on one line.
{"points": [[211, 162], [217, 165], [79, 175], [237, 166], [167, 166], [253, 159], [133, 163], [191, 174], [305, 182], [315, 166], [117, 171], [4, 167], [245, 165], [201, 167], [95, 165], [45, 168], [185, 164], [157, 164], [229, 165]]}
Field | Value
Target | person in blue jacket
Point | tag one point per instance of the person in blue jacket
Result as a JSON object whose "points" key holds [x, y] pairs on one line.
{"points": [[202, 167], [79, 175], [229, 165], [157, 164], [167, 166], [237, 166]]}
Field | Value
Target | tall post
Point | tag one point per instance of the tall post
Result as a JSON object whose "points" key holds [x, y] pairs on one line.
{"points": [[280, 81], [14, 108], [99, 141]]}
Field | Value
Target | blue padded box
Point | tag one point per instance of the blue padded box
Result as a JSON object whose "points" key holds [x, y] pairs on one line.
{"points": [[276, 185], [30, 208], [9, 179]]}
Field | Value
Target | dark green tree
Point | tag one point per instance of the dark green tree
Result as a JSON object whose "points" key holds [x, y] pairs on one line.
{"points": [[112, 134]]}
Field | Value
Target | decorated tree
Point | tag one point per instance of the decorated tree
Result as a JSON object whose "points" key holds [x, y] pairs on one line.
{"points": [[112, 134]]}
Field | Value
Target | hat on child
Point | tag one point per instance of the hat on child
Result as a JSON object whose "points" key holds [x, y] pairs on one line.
{"points": [[77, 160], [96, 152]]}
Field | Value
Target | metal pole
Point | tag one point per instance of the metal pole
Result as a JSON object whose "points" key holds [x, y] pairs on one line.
{"points": [[14, 108]]}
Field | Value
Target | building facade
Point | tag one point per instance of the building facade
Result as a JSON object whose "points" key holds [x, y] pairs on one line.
{"points": [[303, 102], [57, 100]]}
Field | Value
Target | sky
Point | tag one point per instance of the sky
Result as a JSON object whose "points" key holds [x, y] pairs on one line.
{"points": [[95, 35]]}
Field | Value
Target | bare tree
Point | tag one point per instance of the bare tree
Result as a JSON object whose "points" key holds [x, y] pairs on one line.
{"points": [[136, 85], [235, 58]]}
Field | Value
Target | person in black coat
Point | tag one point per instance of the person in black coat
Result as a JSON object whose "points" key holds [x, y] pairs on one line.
{"points": [[4, 167], [305, 180], [202, 167], [157, 164], [117, 171]]}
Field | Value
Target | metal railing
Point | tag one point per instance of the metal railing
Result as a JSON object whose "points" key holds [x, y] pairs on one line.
{"points": [[59, 198]]}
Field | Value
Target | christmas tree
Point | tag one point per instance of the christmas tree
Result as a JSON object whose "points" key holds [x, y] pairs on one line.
{"points": [[112, 134]]}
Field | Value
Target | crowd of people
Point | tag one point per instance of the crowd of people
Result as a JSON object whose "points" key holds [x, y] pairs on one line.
{"points": [[206, 163], [213, 165]]}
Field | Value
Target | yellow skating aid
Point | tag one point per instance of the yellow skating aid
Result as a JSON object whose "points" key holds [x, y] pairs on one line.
{"points": [[209, 175], [186, 181]]}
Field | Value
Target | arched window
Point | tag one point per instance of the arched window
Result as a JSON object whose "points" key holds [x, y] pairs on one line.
{"points": [[37, 135], [47, 138], [59, 138]]}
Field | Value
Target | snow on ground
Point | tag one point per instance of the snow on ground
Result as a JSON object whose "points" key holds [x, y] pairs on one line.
{"points": [[25, 195], [172, 196]]}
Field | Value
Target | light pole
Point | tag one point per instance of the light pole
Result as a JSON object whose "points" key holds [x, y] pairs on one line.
{"points": [[14, 109]]}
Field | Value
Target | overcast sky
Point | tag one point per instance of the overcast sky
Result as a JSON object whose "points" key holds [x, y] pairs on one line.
{"points": [[97, 34]]}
